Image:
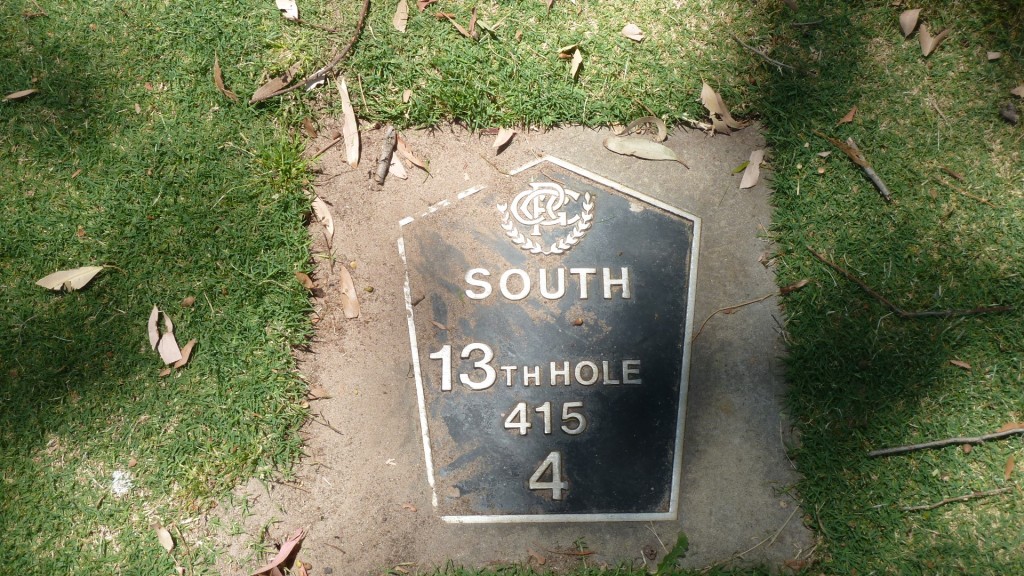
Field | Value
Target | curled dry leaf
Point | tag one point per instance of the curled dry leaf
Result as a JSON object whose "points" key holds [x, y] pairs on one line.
{"points": [[401, 18], [288, 9], [218, 79], [186, 353], [20, 94], [472, 23], [165, 538], [323, 214], [646, 122], [928, 42], [349, 127], [503, 138], [188, 301], [960, 364], [422, 4], [168, 348], [721, 119], [305, 280], [154, 332], [849, 116], [405, 150], [398, 169], [409, 507], [349, 300], [1011, 463], [406, 96], [794, 287], [70, 280], [274, 85], [752, 174], [287, 549], [641, 148], [633, 32], [308, 128], [577, 61], [908, 21]]}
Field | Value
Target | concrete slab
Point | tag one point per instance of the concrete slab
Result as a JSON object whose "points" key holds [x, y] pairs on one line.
{"points": [[362, 493]]}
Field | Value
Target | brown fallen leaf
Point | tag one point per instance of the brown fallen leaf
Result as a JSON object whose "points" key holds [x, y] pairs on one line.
{"points": [[966, 448], [794, 286], [992, 56], [188, 301], [406, 96], [503, 138], [633, 32], [397, 169], [1011, 426], [165, 538], [849, 116], [752, 173], [409, 507], [308, 128], [70, 280], [401, 18], [472, 23], [908, 21], [1011, 462], [422, 4], [349, 126], [20, 94], [960, 364], [186, 353], [218, 79], [1018, 91], [640, 148], [550, 3], [323, 214], [721, 119], [438, 325], [164, 372], [536, 557], [305, 280], [451, 18], [274, 85], [290, 546], [318, 393], [405, 150], [168, 348], [349, 299], [154, 332], [577, 61], [928, 42]]}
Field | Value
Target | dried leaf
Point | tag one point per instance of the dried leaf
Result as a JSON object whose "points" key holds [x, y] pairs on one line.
{"points": [[290, 546], [406, 96], [405, 150], [451, 18], [794, 287], [188, 301], [1011, 462], [69, 280], [274, 85], [218, 79], [409, 507], [422, 4], [721, 119], [1018, 91], [577, 61], [438, 325], [168, 348], [550, 3], [1011, 426], [397, 169], [349, 301], [640, 148], [824, 154], [966, 448], [993, 56], [401, 18], [753, 172], [849, 116], [323, 214], [960, 364], [164, 372], [349, 127], [20, 94], [472, 22], [504, 137], [165, 538], [537, 557], [288, 9], [908, 21], [305, 280], [154, 332], [928, 42], [633, 32], [308, 128], [168, 325], [186, 353]]}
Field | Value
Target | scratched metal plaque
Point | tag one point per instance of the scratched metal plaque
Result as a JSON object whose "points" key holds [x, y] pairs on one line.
{"points": [[549, 319]]}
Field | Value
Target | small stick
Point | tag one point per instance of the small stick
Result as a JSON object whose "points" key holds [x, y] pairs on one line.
{"points": [[900, 311], [850, 149], [944, 442], [952, 173], [955, 188], [387, 149], [771, 60], [327, 147], [732, 309], [811, 23], [964, 498]]}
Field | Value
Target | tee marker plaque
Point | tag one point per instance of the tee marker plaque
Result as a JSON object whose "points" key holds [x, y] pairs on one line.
{"points": [[549, 320]]}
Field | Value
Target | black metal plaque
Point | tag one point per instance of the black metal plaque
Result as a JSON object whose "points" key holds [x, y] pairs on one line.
{"points": [[549, 318]]}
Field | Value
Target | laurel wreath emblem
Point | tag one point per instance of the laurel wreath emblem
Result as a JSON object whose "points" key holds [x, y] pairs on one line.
{"points": [[560, 246]]}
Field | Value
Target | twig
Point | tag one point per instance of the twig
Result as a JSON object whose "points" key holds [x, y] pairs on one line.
{"points": [[964, 498], [327, 147], [955, 188], [731, 309], [944, 442], [325, 423], [955, 175], [387, 149], [570, 552], [850, 149], [762, 54], [811, 23], [908, 313], [322, 73]]}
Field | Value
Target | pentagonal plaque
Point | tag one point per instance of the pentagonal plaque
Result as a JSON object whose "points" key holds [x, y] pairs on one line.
{"points": [[549, 318]]}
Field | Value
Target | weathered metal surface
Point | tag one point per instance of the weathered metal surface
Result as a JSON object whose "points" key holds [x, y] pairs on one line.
{"points": [[549, 319]]}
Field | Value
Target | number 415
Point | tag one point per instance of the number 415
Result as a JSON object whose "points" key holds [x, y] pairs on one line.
{"points": [[519, 418]]}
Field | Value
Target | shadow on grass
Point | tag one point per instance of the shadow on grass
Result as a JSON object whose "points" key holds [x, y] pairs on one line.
{"points": [[860, 377]]}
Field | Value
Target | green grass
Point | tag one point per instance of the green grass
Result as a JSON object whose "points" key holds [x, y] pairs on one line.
{"points": [[195, 195]]}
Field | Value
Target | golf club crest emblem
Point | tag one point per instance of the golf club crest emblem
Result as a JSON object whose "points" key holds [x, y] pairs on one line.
{"points": [[554, 217]]}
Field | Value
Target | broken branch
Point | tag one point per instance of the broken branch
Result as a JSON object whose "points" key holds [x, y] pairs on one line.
{"points": [[767, 58], [964, 498], [900, 311], [731, 309], [955, 188], [850, 149], [387, 149], [945, 442]]}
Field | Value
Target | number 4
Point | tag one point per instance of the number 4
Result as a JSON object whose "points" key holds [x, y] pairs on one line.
{"points": [[556, 484]]}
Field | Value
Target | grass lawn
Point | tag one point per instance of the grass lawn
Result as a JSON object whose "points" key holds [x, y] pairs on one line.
{"points": [[129, 157]]}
